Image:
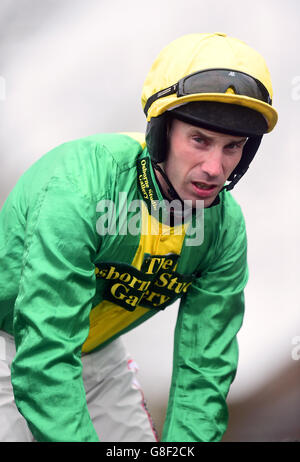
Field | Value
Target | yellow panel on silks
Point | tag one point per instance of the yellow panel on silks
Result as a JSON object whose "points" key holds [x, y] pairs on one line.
{"points": [[150, 282]]}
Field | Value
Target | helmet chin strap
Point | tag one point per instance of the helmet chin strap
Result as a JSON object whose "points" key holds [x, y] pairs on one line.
{"points": [[233, 182], [171, 191], [249, 152], [174, 195]]}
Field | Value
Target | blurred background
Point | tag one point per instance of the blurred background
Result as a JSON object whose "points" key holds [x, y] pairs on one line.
{"points": [[71, 68]]}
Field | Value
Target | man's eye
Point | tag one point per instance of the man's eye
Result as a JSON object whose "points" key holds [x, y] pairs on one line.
{"points": [[199, 140], [234, 146]]}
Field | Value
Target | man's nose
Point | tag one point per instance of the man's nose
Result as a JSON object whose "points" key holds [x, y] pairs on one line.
{"points": [[212, 164]]}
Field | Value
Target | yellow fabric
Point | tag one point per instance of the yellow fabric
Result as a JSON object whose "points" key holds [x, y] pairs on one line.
{"points": [[140, 137], [195, 52], [107, 319]]}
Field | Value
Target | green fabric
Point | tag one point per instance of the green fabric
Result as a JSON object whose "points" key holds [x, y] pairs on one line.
{"points": [[205, 346], [49, 248]]}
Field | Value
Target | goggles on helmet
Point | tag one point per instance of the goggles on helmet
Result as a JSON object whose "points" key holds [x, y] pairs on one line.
{"points": [[215, 81]]}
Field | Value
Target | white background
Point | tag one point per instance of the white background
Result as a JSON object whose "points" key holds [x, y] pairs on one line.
{"points": [[71, 68]]}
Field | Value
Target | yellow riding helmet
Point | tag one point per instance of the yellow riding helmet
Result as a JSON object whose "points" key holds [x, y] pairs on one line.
{"points": [[214, 81], [179, 76]]}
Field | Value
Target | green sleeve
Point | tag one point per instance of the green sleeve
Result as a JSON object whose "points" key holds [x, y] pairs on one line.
{"points": [[51, 318], [205, 345]]}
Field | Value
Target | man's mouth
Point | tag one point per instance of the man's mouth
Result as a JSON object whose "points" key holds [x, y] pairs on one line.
{"points": [[206, 186], [203, 189]]}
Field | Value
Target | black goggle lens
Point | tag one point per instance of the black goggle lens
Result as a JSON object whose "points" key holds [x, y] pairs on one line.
{"points": [[218, 81]]}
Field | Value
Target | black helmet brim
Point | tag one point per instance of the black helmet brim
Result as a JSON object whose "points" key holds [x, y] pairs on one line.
{"points": [[225, 118]]}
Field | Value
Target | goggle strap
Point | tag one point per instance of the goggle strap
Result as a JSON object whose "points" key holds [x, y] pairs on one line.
{"points": [[166, 92]]}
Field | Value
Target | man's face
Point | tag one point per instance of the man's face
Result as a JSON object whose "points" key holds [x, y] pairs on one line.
{"points": [[199, 161]]}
